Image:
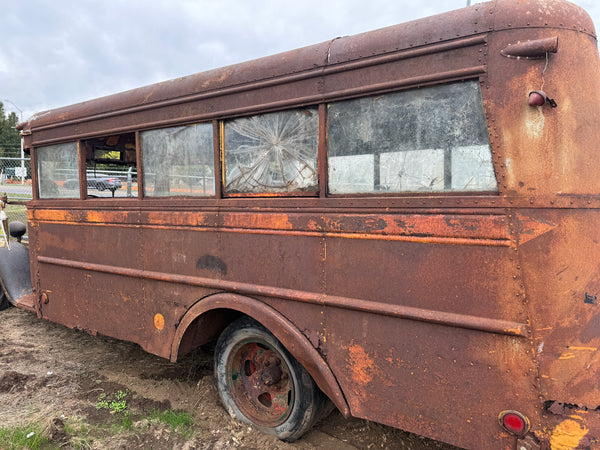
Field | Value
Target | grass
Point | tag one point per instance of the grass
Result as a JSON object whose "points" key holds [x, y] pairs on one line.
{"points": [[17, 212], [27, 437], [13, 196], [81, 435], [126, 424], [179, 422]]}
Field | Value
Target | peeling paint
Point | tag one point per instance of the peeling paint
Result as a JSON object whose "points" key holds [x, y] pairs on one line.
{"points": [[534, 124], [567, 435], [361, 365], [159, 321]]}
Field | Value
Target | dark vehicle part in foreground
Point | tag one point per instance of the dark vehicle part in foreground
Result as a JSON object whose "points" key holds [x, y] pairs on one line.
{"points": [[15, 277], [410, 214]]}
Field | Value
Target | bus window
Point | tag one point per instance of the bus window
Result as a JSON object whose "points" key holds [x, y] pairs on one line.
{"points": [[178, 161], [272, 153], [111, 166], [58, 171], [431, 139]]}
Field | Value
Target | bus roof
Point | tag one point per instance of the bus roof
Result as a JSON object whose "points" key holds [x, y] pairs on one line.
{"points": [[479, 19]]}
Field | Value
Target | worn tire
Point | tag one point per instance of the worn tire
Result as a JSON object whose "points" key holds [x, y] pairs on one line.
{"points": [[261, 383]]}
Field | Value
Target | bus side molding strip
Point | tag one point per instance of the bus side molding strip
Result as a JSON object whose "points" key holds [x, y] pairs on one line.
{"points": [[496, 326]]}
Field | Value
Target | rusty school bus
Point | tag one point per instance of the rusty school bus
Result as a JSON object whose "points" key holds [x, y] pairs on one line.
{"points": [[405, 222]]}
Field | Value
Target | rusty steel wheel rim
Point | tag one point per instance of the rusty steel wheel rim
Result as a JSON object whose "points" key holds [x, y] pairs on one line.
{"points": [[260, 383]]}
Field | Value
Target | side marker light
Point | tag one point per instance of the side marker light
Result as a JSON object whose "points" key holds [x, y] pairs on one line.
{"points": [[539, 98], [514, 422]]}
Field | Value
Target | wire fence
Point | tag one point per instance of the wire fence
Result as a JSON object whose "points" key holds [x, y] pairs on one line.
{"points": [[15, 182]]}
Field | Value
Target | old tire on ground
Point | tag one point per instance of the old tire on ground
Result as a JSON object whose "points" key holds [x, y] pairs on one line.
{"points": [[261, 383]]}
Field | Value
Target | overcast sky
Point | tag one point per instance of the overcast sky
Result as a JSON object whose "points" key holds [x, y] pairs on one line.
{"points": [[56, 53]]}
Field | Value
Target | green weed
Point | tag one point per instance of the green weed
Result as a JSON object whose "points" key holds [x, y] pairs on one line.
{"points": [[114, 403], [27, 437]]}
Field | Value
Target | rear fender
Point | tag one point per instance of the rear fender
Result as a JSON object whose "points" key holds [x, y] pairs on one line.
{"points": [[285, 331]]}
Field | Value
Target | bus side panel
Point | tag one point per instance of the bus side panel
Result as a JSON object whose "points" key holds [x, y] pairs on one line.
{"points": [[236, 257], [86, 299], [436, 381], [475, 280], [433, 379], [561, 270]]}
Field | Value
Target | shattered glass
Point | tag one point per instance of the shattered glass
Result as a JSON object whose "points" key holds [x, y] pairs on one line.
{"points": [[179, 161], [432, 139], [58, 172], [275, 152]]}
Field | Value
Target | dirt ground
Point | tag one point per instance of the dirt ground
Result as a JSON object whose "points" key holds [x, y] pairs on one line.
{"points": [[56, 376]]}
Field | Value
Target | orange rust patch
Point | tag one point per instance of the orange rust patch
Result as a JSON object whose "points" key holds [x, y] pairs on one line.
{"points": [[252, 221], [51, 215], [439, 225], [361, 365], [159, 321], [94, 216], [567, 435], [178, 219], [106, 217]]}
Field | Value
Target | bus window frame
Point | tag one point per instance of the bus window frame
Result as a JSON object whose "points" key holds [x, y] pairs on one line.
{"points": [[322, 191]]}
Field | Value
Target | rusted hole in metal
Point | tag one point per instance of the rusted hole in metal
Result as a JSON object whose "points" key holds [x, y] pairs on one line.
{"points": [[249, 368], [265, 399]]}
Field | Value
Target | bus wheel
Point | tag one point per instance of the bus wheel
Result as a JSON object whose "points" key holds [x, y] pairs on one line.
{"points": [[261, 383]]}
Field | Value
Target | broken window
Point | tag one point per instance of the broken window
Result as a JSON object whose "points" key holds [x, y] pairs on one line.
{"points": [[111, 169], [272, 153], [432, 139], [179, 161], [58, 173]]}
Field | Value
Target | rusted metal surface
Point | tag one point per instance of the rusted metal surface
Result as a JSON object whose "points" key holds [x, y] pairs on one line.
{"points": [[428, 312], [300, 345], [262, 387], [537, 49]]}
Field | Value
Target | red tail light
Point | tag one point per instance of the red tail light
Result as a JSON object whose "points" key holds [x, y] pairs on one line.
{"points": [[514, 422]]}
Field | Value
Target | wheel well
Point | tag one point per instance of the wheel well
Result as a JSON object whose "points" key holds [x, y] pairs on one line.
{"points": [[206, 328], [207, 318]]}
